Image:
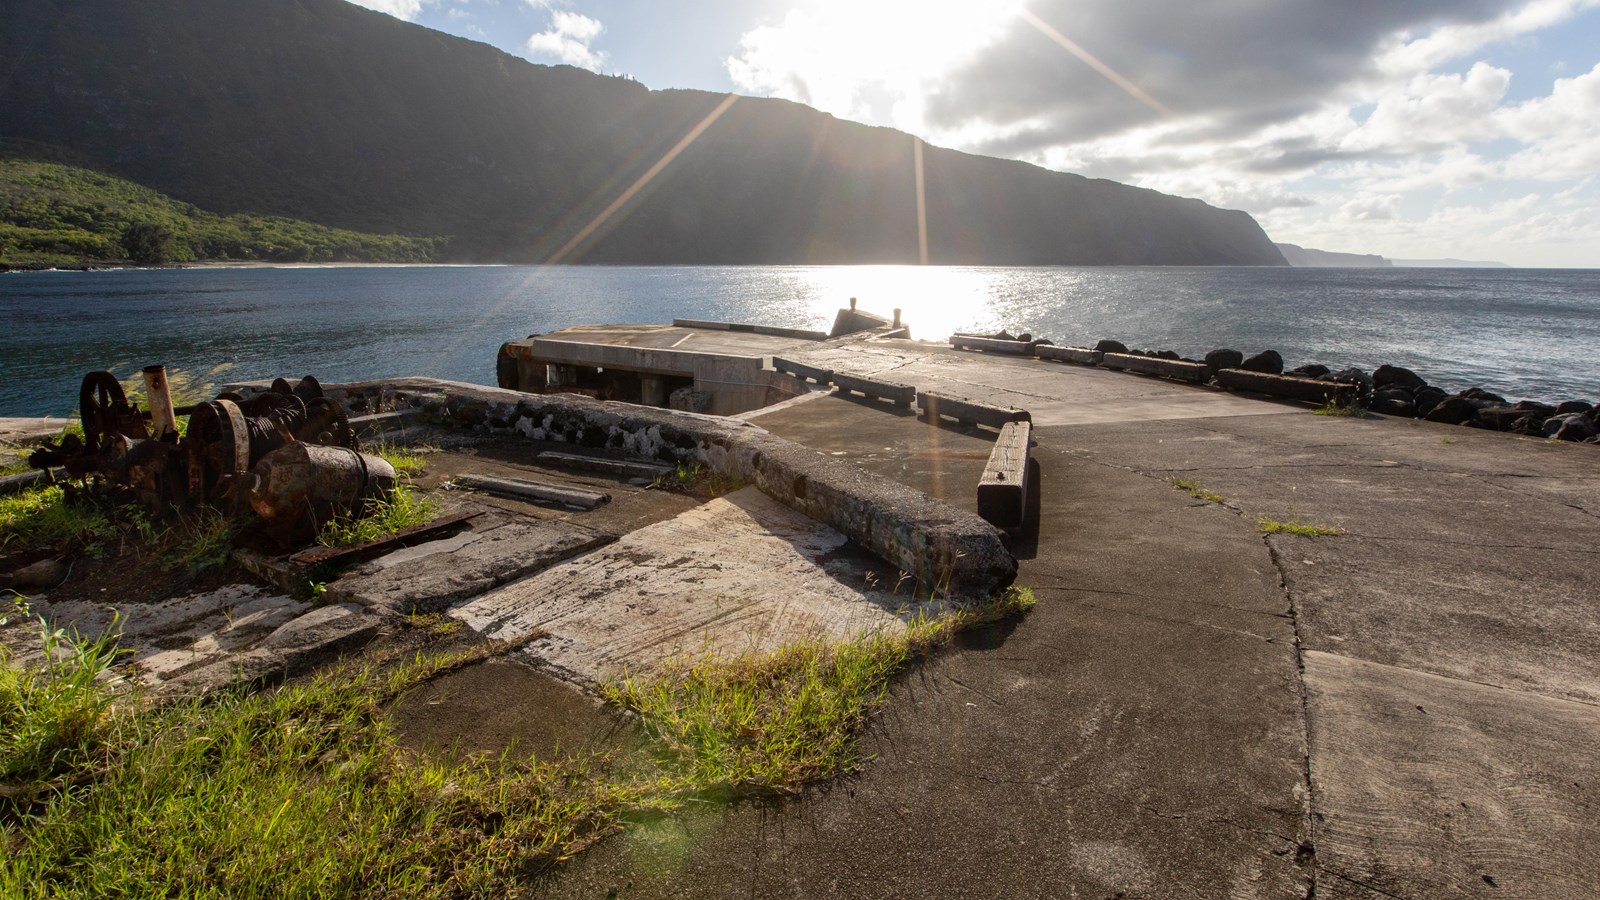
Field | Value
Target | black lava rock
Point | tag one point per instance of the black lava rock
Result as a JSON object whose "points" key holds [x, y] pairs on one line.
{"points": [[1452, 411], [1572, 406], [1427, 398], [1383, 376], [1394, 406], [1570, 427], [1224, 359], [1529, 425], [1542, 410], [1313, 370], [1481, 394], [1268, 361], [1499, 418], [1111, 347]]}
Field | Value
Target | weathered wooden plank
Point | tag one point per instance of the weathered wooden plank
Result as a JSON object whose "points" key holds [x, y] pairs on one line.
{"points": [[401, 538], [1003, 489], [627, 468], [543, 492], [934, 405], [1080, 355]]}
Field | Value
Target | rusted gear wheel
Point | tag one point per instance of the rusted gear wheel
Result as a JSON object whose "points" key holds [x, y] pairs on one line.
{"points": [[104, 410]]}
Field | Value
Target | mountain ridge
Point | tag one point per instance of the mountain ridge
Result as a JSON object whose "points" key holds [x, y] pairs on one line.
{"points": [[324, 111]]}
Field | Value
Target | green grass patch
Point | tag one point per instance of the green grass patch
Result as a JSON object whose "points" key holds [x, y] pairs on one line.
{"points": [[52, 719], [771, 722], [1196, 491], [1295, 526], [378, 516], [304, 790], [408, 462], [1344, 410], [41, 518]]}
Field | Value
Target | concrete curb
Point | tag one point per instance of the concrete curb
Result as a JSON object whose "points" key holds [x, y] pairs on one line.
{"points": [[948, 550]]}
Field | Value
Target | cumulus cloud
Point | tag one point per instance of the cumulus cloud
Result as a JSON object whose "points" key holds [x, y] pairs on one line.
{"points": [[400, 9], [1376, 119], [568, 39]]}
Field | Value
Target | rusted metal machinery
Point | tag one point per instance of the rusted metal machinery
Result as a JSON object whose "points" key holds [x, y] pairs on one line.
{"points": [[288, 454]]}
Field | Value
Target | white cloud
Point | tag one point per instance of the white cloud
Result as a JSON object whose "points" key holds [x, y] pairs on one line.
{"points": [[400, 9], [568, 40]]}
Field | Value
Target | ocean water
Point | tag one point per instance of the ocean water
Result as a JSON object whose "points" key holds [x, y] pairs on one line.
{"points": [[1526, 333]]}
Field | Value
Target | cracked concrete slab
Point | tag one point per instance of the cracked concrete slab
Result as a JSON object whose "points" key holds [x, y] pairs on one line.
{"points": [[1150, 745], [1435, 787], [433, 575], [740, 573]]}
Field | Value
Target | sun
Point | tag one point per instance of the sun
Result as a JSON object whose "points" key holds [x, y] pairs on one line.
{"points": [[875, 60]]}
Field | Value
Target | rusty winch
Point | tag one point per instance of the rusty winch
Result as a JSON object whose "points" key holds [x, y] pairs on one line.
{"points": [[287, 454]]}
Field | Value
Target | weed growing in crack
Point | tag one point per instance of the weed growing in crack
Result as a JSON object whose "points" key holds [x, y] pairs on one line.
{"points": [[1196, 491], [1295, 526]]}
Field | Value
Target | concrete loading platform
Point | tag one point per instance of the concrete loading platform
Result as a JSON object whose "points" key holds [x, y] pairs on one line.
{"points": [[1195, 708]]}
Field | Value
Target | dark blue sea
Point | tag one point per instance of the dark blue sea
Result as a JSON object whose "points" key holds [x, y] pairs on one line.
{"points": [[1526, 333]]}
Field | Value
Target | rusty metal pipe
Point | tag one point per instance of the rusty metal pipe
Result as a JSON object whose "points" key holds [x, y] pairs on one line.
{"points": [[162, 419], [298, 487]]}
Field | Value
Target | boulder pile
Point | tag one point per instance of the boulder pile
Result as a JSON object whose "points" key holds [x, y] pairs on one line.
{"points": [[1398, 391]]}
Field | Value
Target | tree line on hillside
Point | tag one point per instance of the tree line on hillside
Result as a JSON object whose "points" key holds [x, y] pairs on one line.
{"points": [[56, 214]]}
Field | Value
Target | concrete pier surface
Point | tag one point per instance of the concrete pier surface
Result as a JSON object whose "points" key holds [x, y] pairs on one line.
{"points": [[1195, 708]]}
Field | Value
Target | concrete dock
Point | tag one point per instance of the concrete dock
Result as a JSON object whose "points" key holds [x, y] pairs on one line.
{"points": [[1197, 709], [1407, 706]]}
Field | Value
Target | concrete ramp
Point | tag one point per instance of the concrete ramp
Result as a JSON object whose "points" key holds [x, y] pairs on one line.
{"points": [[740, 573]]}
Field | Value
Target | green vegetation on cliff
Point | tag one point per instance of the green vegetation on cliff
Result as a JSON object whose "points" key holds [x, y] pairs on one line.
{"points": [[60, 215]]}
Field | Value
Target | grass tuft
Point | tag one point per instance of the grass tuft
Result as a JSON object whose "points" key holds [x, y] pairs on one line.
{"points": [[1196, 491], [40, 518], [1345, 410], [767, 723], [1295, 526], [51, 718], [408, 462], [304, 790], [378, 516]]}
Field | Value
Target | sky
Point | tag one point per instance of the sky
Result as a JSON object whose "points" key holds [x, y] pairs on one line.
{"points": [[1408, 128]]}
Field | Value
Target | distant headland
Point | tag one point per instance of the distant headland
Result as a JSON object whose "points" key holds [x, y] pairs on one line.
{"points": [[1297, 255]]}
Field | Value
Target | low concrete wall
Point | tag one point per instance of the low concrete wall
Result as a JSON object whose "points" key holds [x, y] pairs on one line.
{"points": [[947, 550], [1177, 370], [1080, 355], [1289, 387], [804, 334]]}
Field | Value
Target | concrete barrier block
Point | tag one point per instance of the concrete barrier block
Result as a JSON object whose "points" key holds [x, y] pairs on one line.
{"points": [[893, 391], [1003, 489], [802, 370], [1289, 387], [1080, 355], [992, 345], [1176, 369], [935, 405]]}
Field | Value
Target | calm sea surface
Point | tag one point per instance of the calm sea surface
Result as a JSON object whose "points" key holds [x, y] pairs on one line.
{"points": [[1526, 333]]}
